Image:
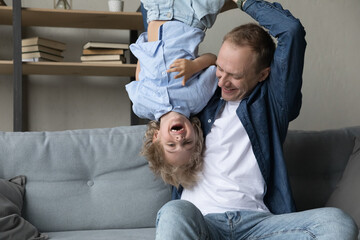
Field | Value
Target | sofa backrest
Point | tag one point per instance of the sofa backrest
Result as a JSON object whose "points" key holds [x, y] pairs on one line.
{"points": [[84, 179], [316, 161]]}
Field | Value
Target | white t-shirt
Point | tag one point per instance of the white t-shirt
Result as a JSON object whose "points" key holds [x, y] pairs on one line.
{"points": [[231, 179]]}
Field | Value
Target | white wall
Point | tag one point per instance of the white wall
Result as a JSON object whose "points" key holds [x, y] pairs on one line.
{"points": [[5, 81], [331, 83]]}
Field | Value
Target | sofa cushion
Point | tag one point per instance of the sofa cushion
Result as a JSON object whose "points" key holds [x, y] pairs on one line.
{"points": [[315, 162], [12, 225], [346, 195], [87, 179], [107, 234]]}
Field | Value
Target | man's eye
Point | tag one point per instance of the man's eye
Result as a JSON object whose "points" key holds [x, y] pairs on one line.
{"points": [[237, 77], [171, 144]]}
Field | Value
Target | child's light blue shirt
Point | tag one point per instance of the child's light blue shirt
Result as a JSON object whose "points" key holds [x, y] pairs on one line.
{"points": [[196, 13], [157, 92]]}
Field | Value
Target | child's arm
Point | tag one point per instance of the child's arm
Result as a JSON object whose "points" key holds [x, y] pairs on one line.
{"points": [[187, 68]]}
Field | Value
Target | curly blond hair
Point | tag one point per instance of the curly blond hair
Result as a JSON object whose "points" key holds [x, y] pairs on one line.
{"points": [[153, 151]]}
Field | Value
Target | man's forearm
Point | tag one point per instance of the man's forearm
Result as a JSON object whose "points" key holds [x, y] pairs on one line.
{"points": [[287, 65]]}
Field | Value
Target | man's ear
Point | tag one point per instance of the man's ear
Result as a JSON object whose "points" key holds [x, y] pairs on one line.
{"points": [[264, 74], [155, 136]]}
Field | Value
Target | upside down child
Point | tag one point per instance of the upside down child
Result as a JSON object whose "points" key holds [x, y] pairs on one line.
{"points": [[174, 84]]}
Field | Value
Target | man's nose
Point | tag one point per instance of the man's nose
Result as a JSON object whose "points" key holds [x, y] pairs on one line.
{"points": [[223, 79]]}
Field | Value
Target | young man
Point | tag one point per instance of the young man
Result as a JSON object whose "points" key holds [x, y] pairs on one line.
{"points": [[243, 191]]}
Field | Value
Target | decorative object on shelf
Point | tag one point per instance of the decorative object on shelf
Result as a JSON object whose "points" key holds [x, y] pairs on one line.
{"points": [[62, 4], [116, 5], [2, 3]]}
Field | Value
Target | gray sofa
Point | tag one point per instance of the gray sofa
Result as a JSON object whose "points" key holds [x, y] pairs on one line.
{"points": [[93, 184]]}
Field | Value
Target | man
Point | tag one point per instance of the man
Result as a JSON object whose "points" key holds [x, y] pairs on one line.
{"points": [[243, 191]]}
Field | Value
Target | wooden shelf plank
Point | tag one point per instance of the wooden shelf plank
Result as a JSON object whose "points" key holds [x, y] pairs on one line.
{"points": [[74, 18], [6, 67], [5, 15], [71, 68]]}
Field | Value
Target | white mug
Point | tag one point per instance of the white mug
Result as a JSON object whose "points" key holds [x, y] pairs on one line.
{"points": [[116, 5]]}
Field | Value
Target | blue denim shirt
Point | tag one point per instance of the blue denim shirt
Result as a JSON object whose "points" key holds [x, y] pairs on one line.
{"points": [[275, 102], [196, 13], [158, 92]]}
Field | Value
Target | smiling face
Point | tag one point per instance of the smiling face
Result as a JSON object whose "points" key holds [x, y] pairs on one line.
{"points": [[236, 71], [177, 136]]}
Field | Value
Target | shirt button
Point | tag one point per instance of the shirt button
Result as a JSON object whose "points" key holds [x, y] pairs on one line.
{"points": [[169, 14], [164, 73], [209, 121]]}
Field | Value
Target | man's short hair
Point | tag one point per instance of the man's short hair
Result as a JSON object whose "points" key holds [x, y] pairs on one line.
{"points": [[254, 36], [153, 151]]}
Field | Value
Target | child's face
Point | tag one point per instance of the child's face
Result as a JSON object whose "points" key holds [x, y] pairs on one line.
{"points": [[177, 136]]}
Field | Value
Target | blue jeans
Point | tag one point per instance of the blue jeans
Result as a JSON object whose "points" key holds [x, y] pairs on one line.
{"points": [[181, 220]]}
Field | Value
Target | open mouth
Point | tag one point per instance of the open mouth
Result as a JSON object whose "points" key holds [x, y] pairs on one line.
{"points": [[177, 128], [227, 90]]}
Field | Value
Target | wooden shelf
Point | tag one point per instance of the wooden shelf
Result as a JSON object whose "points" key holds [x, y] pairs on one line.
{"points": [[74, 18], [71, 68], [40, 17]]}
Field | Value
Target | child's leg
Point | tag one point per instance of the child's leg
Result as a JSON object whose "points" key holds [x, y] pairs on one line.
{"points": [[153, 30], [137, 71], [153, 35]]}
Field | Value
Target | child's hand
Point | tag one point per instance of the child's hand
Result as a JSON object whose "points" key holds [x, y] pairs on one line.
{"points": [[185, 68]]}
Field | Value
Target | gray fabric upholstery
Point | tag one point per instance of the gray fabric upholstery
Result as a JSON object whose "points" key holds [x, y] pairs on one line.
{"points": [[316, 161], [347, 195], [108, 234], [12, 225], [84, 179]]}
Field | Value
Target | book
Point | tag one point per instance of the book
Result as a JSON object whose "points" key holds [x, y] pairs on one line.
{"points": [[113, 45], [101, 51], [35, 59], [43, 42], [103, 62], [39, 48], [114, 57], [42, 55]]}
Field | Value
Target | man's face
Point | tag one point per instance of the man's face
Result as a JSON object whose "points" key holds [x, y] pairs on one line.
{"points": [[236, 71]]}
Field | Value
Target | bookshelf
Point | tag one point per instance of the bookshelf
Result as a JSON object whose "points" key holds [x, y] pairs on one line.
{"points": [[71, 68], [74, 18], [19, 17]]}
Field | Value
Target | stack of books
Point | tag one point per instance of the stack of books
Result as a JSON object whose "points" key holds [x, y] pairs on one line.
{"points": [[38, 49], [104, 52]]}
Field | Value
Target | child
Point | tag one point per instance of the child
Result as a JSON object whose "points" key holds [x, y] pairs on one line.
{"points": [[169, 51]]}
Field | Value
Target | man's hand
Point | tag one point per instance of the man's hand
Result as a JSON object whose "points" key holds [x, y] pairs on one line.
{"points": [[185, 67]]}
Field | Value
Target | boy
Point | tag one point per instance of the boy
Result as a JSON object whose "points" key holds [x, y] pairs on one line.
{"points": [[167, 52]]}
